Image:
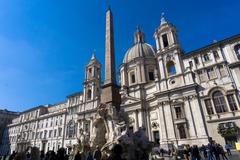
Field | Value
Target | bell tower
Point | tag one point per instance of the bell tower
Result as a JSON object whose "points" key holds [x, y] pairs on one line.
{"points": [[110, 90], [166, 35], [92, 81]]}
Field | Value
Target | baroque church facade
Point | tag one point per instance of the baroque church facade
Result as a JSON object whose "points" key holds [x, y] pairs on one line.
{"points": [[179, 98]]}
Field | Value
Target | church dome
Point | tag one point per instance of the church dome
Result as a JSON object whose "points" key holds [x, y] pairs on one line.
{"points": [[140, 48]]}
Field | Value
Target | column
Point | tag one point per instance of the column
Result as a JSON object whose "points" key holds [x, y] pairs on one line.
{"points": [[198, 117], [136, 126], [169, 121], [236, 100], [228, 106], [162, 123], [189, 116], [213, 106]]}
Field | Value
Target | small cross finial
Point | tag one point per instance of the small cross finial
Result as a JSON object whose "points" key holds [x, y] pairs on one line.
{"points": [[163, 21], [138, 28], [93, 54]]}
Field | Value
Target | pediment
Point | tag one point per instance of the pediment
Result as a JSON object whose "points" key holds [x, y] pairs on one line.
{"points": [[129, 100]]}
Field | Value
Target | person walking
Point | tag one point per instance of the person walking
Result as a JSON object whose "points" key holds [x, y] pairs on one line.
{"points": [[204, 151], [195, 153], [210, 151], [116, 153], [227, 147], [89, 156], [186, 153], [97, 154], [222, 152], [77, 156], [12, 156], [42, 155], [216, 151]]}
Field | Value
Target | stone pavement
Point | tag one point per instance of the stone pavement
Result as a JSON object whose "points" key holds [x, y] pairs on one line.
{"points": [[235, 156]]}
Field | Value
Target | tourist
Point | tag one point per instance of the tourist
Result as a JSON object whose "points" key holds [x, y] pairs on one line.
{"points": [[35, 155], [204, 151], [28, 156], [12, 156], [61, 154], [42, 155], [195, 153], [216, 151], [77, 156], [89, 156], [52, 156], [116, 153], [210, 151], [169, 152], [227, 147], [97, 154], [186, 153], [221, 151], [20, 156], [174, 153], [161, 151]]}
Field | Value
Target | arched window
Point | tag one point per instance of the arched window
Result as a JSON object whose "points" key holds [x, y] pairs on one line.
{"points": [[219, 102], [165, 40], [132, 77], [237, 51], [171, 68], [71, 129], [89, 94]]}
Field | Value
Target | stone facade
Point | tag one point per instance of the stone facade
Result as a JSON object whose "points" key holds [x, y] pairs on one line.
{"points": [[180, 98], [6, 118]]}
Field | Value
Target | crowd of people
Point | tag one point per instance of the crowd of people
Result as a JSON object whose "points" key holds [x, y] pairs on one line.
{"points": [[33, 153], [212, 151]]}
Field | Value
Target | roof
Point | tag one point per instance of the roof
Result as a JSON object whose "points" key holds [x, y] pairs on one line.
{"points": [[75, 94], [139, 50], [210, 46]]}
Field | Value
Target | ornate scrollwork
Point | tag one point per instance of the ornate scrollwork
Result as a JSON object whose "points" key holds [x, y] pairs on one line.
{"points": [[155, 125], [131, 120]]}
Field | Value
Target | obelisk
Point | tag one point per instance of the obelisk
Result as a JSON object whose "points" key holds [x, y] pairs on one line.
{"points": [[110, 90]]}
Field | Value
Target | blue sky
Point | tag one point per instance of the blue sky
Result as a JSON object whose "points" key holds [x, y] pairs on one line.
{"points": [[45, 44]]}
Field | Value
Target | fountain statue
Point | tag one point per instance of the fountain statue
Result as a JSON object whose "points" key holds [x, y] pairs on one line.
{"points": [[115, 125]]}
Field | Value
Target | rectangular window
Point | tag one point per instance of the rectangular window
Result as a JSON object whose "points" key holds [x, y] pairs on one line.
{"points": [[156, 136], [216, 55], [165, 40], [190, 64], [55, 133], [232, 103], [60, 132], [202, 76], [222, 70], [86, 127], [151, 75], [50, 134], [89, 73], [208, 105], [182, 131], [178, 112], [211, 73], [206, 57]]}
